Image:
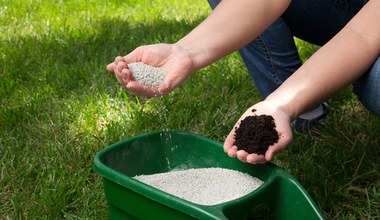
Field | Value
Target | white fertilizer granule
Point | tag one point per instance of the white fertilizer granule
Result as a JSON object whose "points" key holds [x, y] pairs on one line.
{"points": [[204, 186], [146, 74]]}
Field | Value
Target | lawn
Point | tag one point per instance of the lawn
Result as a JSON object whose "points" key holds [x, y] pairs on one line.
{"points": [[59, 107]]}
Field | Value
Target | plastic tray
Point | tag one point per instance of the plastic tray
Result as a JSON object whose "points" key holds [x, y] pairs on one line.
{"points": [[279, 197]]}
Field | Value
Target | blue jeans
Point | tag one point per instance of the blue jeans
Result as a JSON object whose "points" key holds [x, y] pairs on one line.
{"points": [[272, 57]]}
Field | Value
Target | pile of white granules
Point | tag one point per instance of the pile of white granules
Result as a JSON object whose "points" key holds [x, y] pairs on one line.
{"points": [[204, 186], [146, 74]]}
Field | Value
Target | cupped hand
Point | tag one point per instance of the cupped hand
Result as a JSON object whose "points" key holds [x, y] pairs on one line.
{"points": [[282, 122], [172, 58]]}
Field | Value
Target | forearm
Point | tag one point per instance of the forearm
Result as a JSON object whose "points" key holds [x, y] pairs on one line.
{"points": [[232, 25], [337, 64]]}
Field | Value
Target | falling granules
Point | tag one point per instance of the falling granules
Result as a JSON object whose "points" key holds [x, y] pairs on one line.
{"points": [[147, 75], [204, 186]]}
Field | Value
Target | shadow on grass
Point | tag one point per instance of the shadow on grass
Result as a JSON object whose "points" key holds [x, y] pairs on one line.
{"points": [[38, 71]]}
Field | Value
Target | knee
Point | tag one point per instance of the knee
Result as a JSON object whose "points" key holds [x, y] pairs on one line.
{"points": [[372, 105], [367, 88]]}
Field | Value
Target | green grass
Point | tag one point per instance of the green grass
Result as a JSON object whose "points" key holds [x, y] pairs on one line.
{"points": [[59, 107]]}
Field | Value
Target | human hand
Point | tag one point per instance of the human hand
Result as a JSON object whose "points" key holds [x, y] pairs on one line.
{"points": [[282, 122], [172, 58]]}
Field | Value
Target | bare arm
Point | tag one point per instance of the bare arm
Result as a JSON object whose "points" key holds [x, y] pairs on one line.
{"points": [[337, 64], [232, 25]]}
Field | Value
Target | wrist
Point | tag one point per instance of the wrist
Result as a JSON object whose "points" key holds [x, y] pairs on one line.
{"points": [[195, 53], [283, 106]]}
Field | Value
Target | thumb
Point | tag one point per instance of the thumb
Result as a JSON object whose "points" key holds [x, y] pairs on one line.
{"points": [[282, 143]]}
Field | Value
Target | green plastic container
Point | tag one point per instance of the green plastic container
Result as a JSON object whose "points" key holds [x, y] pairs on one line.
{"points": [[279, 197]]}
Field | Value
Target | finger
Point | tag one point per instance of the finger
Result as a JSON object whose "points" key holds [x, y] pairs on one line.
{"points": [[231, 152], [120, 74], [111, 67], [242, 155], [271, 152], [120, 66], [120, 81], [276, 148], [256, 159], [126, 76], [122, 78], [118, 59], [230, 141]]}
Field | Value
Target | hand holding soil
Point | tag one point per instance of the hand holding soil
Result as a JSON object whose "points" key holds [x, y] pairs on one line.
{"points": [[256, 133], [261, 132]]}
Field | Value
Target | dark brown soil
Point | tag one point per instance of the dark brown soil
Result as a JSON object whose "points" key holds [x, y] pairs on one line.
{"points": [[256, 133]]}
